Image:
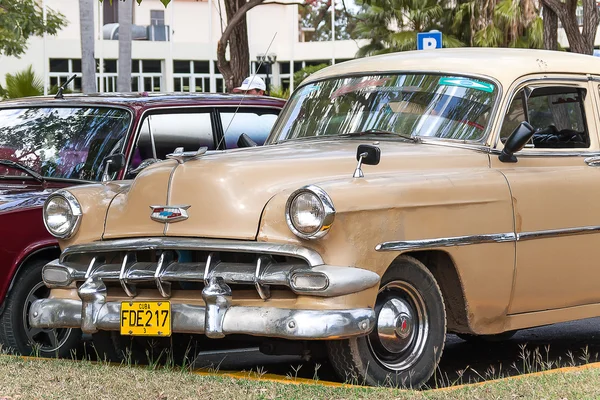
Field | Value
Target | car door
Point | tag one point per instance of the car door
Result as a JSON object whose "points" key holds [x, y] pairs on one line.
{"points": [[256, 122], [556, 212]]}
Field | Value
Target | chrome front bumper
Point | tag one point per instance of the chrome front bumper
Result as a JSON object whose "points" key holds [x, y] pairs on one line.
{"points": [[274, 265], [215, 320]]}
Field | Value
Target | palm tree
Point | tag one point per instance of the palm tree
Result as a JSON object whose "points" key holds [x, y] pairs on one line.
{"points": [[88, 60], [124, 67], [392, 25], [22, 84], [497, 23]]}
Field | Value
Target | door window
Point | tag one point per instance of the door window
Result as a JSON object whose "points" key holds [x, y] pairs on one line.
{"points": [[161, 134], [256, 123], [555, 112]]}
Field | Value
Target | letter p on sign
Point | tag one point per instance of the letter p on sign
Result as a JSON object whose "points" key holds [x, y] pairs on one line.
{"points": [[429, 40]]}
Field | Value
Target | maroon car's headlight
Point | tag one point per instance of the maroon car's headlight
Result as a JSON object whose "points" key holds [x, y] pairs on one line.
{"points": [[62, 214]]}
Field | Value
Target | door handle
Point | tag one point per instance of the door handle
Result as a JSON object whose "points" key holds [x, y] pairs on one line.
{"points": [[593, 161]]}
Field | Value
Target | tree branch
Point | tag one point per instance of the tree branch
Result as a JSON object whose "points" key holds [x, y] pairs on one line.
{"points": [[236, 19]]}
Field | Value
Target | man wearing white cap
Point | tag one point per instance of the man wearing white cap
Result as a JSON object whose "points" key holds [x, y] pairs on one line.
{"points": [[253, 85]]}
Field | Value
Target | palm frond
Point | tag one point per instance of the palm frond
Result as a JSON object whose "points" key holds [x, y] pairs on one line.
{"points": [[23, 84]]}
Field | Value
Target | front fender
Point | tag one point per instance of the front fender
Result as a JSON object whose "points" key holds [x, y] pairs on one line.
{"points": [[415, 206]]}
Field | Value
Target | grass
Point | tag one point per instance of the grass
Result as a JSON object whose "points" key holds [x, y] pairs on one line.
{"points": [[64, 379]]}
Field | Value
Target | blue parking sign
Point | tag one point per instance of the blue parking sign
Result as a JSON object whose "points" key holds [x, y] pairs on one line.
{"points": [[429, 40]]}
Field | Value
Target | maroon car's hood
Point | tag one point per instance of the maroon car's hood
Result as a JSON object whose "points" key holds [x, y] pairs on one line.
{"points": [[18, 196]]}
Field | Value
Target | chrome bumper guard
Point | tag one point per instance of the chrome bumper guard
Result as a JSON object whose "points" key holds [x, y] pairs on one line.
{"points": [[215, 320], [299, 268]]}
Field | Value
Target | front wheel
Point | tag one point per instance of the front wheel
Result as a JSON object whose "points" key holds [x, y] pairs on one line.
{"points": [[406, 344], [15, 332]]}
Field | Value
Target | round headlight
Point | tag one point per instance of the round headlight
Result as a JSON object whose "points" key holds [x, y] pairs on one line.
{"points": [[309, 212], [62, 214]]}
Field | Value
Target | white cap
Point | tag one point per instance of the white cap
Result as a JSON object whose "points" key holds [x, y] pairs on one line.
{"points": [[253, 82]]}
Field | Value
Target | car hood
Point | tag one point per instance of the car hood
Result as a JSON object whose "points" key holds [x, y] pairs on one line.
{"points": [[15, 197], [227, 192]]}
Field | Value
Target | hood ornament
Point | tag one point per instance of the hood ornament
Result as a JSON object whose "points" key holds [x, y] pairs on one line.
{"points": [[169, 214], [183, 156]]}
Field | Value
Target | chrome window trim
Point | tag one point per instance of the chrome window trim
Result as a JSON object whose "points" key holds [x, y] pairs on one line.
{"points": [[310, 256], [75, 209], [328, 208], [424, 244], [485, 137], [521, 84]]}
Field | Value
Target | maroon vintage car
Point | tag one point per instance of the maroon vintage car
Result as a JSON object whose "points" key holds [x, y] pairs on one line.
{"points": [[48, 143]]}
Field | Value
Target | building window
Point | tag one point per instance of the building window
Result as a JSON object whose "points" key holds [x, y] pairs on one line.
{"points": [[157, 17], [146, 75], [191, 76], [61, 69], [109, 75]]}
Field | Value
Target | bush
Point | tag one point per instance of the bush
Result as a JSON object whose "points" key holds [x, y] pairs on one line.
{"points": [[306, 72]]}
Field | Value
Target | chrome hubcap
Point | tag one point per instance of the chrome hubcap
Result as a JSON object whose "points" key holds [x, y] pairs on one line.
{"points": [[395, 325], [402, 326], [43, 340]]}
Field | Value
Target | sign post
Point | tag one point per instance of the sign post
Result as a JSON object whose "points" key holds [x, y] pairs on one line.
{"points": [[429, 40]]}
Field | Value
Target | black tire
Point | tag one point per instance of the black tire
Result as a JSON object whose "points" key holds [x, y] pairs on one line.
{"points": [[408, 356], [477, 339], [112, 346], [15, 332]]}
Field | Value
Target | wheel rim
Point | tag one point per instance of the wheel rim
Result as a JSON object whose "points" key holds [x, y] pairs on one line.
{"points": [[43, 340], [402, 327]]}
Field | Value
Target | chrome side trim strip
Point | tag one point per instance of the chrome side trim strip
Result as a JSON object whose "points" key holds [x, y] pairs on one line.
{"points": [[445, 242], [170, 243], [478, 239], [557, 232]]}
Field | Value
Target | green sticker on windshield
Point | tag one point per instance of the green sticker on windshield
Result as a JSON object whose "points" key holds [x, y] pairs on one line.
{"points": [[467, 83]]}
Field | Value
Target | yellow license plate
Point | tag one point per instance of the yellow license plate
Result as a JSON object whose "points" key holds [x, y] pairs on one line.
{"points": [[146, 318]]}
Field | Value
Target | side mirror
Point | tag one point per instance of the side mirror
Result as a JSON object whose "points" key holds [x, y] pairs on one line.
{"points": [[246, 141], [370, 154], [516, 141], [112, 164], [366, 154]]}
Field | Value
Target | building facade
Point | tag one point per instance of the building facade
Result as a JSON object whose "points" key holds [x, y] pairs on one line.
{"points": [[174, 47]]}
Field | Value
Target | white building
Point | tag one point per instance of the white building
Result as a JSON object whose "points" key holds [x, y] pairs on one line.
{"points": [[185, 63]]}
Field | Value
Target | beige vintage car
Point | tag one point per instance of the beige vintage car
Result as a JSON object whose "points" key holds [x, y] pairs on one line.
{"points": [[398, 198]]}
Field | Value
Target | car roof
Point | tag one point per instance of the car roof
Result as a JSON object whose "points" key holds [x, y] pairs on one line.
{"points": [[147, 99], [503, 64]]}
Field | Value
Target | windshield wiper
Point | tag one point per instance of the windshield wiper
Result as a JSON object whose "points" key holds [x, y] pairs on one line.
{"points": [[16, 165], [374, 131]]}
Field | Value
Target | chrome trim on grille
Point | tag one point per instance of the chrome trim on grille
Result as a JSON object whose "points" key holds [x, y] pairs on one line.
{"points": [[165, 243], [478, 239]]}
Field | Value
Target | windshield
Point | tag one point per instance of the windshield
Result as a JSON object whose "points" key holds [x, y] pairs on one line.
{"points": [[68, 142], [424, 105]]}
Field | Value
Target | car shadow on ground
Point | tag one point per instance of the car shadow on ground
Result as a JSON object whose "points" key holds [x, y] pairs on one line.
{"points": [[532, 350]]}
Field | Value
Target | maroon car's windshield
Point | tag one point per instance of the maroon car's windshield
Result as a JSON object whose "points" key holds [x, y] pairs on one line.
{"points": [[61, 142]]}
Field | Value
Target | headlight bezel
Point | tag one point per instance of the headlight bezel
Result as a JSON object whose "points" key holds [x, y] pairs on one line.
{"points": [[328, 211], [76, 213]]}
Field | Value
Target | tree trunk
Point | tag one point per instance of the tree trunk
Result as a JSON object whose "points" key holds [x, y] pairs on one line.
{"points": [[124, 64], [236, 36], [86, 31], [579, 41], [550, 20]]}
